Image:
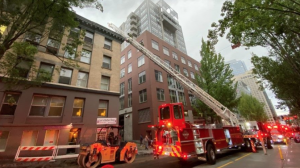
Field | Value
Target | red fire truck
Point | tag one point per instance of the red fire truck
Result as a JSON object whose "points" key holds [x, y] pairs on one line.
{"points": [[177, 138]]}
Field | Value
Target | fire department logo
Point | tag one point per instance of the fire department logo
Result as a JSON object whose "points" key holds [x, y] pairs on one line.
{"points": [[185, 134]]}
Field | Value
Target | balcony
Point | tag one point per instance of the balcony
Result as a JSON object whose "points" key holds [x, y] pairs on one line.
{"points": [[133, 33]]}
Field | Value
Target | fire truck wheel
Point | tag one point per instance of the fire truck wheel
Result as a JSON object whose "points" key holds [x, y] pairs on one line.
{"points": [[248, 145], [210, 155], [129, 156], [79, 160], [269, 145], [89, 161]]}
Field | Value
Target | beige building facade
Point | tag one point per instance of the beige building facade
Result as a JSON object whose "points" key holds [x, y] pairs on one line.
{"points": [[249, 79], [67, 109]]}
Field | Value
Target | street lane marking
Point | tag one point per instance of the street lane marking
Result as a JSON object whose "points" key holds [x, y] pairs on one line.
{"points": [[225, 165], [234, 160], [242, 157]]}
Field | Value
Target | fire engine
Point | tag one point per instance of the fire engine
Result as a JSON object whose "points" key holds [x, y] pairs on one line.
{"points": [[177, 138]]}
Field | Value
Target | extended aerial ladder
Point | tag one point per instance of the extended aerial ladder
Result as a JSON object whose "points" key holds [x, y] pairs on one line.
{"points": [[215, 105]]}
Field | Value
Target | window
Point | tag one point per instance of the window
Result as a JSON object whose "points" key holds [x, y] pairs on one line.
{"points": [[52, 46], [122, 103], [33, 38], [78, 107], [166, 51], [141, 61], [158, 76], [129, 100], [45, 71], [29, 138], [88, 38], [185, 72], [129, 54], [190, 64], [192, 75], [142, 77], [46, 106], [122, 74], [173, 96], [3, 140], [196, 67], [183, 60], [168, 63], [160, 94], [65, 76], [129, 85], [192, 99], [181, 98], [82, 79], [23, 66], [143, 95], [9, 104], [144, 115], [107, 44], [122, 59], [177, 68], [155, 45], [177, 112], [165, 113], [105, 82], [106, 62], [102, 109], [51, 137], [70, 52], [175, 56], [86, 56], [129, 68], [122, 89], [74, 32]]}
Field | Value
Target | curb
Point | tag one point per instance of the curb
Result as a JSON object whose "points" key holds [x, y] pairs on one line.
{"points": [[145, 153]]}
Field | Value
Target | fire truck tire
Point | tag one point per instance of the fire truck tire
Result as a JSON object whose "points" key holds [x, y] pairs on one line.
{"points": [[79, 160], [85, 160], [248, 145], [210, 154], [269, 145], [129, 157]]}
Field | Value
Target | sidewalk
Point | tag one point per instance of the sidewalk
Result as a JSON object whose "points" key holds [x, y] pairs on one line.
{"points": [[143, 151], [291, 158]]}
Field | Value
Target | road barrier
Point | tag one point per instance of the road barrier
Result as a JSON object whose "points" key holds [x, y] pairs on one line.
{"points": [[54, 155]]}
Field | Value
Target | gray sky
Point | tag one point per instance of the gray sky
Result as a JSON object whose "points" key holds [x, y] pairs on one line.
{"points": [[195, 18]]}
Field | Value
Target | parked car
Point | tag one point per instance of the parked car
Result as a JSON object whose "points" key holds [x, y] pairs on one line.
{"points": [[296, 137]]}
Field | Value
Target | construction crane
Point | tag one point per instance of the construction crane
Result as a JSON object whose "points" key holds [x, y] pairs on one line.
{"points": [[211, 102]]}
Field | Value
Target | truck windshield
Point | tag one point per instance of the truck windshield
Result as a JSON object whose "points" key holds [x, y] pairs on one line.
{"points": [[177, 112], [165, 113]]}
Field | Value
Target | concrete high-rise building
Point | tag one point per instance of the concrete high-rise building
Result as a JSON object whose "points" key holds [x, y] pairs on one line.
{"points": [[270, 104], [159, 19], [68, 109], [143, 84], [238, 67], [242, 88], [249, 79]]}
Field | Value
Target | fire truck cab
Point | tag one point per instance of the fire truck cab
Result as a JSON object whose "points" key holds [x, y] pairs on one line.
{"points": [[177, 138]]}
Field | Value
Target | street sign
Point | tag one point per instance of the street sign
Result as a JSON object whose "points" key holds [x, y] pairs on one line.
{"points": [[103, 121]]}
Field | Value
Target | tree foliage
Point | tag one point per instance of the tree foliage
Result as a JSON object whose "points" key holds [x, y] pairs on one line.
{"points": [[251, 109], [45, 18], [273, 24], [216, 79]]}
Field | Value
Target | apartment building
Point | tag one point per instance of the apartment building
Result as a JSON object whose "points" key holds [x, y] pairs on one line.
{"points": [[249, 79], [68, 109]]}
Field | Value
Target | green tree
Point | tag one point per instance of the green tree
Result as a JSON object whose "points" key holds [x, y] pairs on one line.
{"points": [[45, 18], [280, 79], [215, 79], [251, 109], [272, 24]]}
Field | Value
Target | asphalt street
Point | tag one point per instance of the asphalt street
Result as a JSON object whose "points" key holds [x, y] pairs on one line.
{"points": [[231, 159]]}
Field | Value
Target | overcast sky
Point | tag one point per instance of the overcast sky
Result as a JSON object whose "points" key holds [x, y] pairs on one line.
{"points": [[195, 18]]}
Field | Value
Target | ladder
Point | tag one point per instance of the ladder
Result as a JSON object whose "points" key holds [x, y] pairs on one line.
{"points": [[216, 106]]}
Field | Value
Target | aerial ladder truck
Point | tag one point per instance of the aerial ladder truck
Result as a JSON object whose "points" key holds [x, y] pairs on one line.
{"points": [[177, 138]]}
